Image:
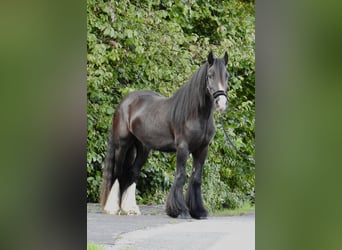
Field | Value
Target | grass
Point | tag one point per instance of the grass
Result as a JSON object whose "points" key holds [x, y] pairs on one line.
{"points": [[93, 246], [245, 209]]}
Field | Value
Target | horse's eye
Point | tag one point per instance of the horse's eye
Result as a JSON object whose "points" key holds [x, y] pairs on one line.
{"points": [[227, 75]]}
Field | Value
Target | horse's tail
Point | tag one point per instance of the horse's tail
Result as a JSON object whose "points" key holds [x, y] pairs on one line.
{"points": [[108, 170]]}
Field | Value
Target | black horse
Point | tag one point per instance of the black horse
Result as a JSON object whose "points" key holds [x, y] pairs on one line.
{"points": [[183, 124]]}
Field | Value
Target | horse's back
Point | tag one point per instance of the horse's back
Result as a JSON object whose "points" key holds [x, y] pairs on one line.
{"points": [[142, 94], [137, 99]]}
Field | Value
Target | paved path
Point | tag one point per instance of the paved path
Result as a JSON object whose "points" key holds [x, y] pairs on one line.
{"points": [[154, 230]]}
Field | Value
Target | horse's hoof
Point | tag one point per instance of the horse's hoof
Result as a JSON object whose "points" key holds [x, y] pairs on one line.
{"points": [[112, 212], [132, 211], [203, 218], [184, 215], [199, 215]]}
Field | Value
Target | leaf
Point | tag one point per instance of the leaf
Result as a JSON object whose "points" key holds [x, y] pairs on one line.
{"points": [[129, 33], [110, 111]]}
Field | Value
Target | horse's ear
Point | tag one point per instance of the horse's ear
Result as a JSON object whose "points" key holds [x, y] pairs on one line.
{"points": [[211, 58], [225, 58]]}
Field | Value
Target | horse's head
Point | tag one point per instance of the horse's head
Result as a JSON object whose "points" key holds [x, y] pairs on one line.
{"points": [[217, 80]]}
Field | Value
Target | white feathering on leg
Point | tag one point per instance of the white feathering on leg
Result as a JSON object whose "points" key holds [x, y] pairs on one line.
{"points": [[112, 205], [128, 203]]}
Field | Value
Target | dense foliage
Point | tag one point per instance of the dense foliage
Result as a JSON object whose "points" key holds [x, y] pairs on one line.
{"points": [[157, 45]]}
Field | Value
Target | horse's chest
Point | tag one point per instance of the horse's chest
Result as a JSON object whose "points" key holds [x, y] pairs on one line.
{"points": [[199, 133]]}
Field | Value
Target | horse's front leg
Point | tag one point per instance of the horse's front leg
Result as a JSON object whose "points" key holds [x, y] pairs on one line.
{"points": [[194, 193], [175, 204]]}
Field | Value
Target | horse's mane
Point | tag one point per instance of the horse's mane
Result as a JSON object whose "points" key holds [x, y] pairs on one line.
{"points": [[190, 99]]}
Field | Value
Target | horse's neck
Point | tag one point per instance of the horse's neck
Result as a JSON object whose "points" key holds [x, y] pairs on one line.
{"points": [[208, 109]]}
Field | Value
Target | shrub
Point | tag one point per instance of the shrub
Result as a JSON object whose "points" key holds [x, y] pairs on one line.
{"points": [[157, 45]]}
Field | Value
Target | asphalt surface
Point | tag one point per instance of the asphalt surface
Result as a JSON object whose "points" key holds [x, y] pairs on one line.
{"points": [[155, 230]]}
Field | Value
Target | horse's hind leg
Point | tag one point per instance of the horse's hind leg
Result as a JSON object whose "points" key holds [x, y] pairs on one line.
{"points": [[194, 193], [128, 201], [113, 202]]}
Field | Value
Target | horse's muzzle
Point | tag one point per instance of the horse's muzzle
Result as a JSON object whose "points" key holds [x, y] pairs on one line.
{"points": [[221, 103]]}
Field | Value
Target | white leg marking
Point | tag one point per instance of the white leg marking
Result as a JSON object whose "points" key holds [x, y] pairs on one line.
{"points": [[128, 203], [112, 205]]}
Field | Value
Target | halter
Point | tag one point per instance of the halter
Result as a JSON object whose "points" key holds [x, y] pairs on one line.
{"points": [[216, 93]]}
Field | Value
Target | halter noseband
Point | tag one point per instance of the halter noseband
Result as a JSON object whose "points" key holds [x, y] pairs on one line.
{"points": [[218, 93]]}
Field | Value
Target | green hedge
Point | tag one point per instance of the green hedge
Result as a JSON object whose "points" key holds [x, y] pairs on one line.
{"points": [[157, 45]]}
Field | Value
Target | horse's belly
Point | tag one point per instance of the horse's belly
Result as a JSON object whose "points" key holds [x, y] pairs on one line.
{"points": [[157, 140], [153, 134]]}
